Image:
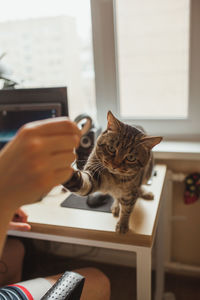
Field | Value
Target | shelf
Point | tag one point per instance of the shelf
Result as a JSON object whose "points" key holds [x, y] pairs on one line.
{"points": [[177, 150]]}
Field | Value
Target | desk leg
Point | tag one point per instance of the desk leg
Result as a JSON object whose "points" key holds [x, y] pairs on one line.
{"points": [[160, 273], [160, 246], [143, 271]]}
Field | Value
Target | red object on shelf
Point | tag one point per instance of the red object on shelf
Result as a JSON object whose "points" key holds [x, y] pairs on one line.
{"points": [[192, 188]]}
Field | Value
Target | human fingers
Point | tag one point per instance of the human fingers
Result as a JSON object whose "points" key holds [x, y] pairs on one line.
{"points": [[19, 226], [62, 160], [38, 150], [52, 163], [20, 216], [42, 184], [61, 143], [63, 175], [54, 126], [32, 143], [22, 213]]}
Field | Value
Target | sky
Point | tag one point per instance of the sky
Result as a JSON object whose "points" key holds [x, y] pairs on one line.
{"points": [[25, 9]]}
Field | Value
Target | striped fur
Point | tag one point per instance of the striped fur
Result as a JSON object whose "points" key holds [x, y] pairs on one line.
{"points": [[120, 163]]}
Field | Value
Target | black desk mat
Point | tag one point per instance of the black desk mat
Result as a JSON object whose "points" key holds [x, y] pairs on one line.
{"points": [[79, 202]]}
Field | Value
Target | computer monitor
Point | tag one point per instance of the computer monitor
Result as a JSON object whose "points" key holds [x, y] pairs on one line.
{"points": [[36, 95], [18, 107]]}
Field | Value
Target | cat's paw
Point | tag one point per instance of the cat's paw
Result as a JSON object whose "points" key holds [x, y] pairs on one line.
{"points": [[115, 211], [148, 196], [121, 227]]}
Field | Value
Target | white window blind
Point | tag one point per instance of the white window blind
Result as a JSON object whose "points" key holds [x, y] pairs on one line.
{"points": [[152, 39]]}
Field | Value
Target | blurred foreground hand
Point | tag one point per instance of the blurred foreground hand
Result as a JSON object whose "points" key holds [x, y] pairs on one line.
{"points": [[38, 158]]}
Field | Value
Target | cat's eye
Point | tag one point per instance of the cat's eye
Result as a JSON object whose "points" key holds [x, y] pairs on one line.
{"points": [[130, 157], [111, 149]]}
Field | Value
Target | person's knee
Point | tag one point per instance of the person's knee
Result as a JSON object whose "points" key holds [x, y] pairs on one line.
{"points": [[12, 261], [13, 252], [96, 284], [18, 247], [99, 277]]}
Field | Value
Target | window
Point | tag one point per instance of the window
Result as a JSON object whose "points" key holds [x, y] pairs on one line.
{"points": [[49, 43], [138, 58], [169, 32], [152, 39]]}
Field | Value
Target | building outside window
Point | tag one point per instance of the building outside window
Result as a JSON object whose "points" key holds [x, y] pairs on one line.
{"points": [[49, 43]]}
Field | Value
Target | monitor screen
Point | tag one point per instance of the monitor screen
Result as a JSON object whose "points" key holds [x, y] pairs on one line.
{"points": [[36, 95], [13, 116]]}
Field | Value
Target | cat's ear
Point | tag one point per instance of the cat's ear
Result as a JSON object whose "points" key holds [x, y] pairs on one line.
{"points": [[150, 141], [113, 123]]}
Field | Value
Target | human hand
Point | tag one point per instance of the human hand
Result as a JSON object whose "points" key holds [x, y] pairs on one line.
{"points": [[19, 221], [38, 158]]}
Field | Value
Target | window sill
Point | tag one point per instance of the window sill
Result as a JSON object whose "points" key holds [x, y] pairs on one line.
{"points": [[177, 150]]}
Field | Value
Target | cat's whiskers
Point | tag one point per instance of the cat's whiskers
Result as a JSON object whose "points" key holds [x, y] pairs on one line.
{"points": [[101, 168], [96, 160], [94, 164], [97, 168], [94, 167], [82, 160]]}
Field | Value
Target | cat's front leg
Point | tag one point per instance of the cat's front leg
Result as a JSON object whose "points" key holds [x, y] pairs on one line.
{"points": [[115, 208], [123, 223], [80, 183], [145, 194]]}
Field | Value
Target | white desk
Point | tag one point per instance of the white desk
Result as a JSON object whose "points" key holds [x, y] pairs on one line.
{"points": [[50, 221]]}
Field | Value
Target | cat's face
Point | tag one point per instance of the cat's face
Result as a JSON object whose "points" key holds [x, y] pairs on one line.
{"points": [[124, 149]]}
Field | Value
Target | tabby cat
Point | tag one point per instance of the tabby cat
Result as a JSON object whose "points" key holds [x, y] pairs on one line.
{"points": [[119, 164]]}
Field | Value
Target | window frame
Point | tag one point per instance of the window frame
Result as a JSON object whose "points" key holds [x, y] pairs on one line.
{"points": [[106, 78]]}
